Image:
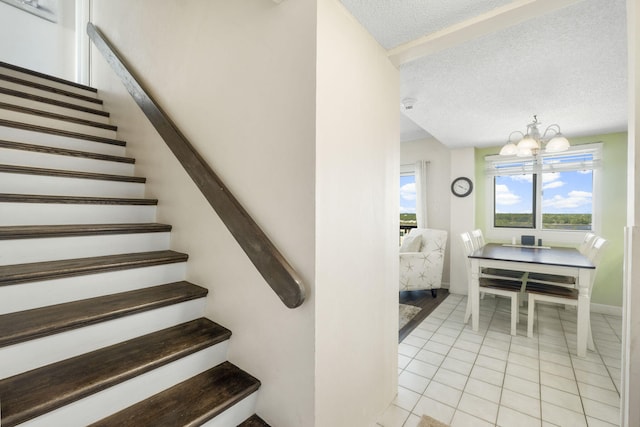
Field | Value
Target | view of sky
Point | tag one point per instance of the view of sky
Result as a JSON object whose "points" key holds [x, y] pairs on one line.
{"points": [[407, 194], [563, 192]]}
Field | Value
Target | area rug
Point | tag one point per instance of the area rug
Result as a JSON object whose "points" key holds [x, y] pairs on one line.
{"points": [[407, 312], [427, 421]]}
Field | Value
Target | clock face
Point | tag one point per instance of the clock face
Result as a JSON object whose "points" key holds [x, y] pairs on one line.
{"points": [[461, 186]]}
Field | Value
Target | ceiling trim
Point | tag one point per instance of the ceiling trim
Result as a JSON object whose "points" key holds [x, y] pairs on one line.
{"points": [[486, 23]]}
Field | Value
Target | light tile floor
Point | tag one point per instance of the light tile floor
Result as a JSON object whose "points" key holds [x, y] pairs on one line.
{"points": [[489, 378]]}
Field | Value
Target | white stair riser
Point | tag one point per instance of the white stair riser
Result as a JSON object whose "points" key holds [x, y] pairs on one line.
{"points": [[118, 397], [57, 161], [39, 352], [51, 95], [20, 251], [18, 183], [25, 296], [33, 119], [49, 140], [47, 82], [30, 103], [236, 414], [52, 213]]}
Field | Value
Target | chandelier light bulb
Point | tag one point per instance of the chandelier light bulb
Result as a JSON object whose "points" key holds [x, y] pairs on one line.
{"points": [[532, 142], [509, 149], [558, 143]]}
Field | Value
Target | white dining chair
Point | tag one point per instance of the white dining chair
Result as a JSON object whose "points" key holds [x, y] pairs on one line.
{"points": [[478, 241], [559, 280], [540, 292], [499, 287]]}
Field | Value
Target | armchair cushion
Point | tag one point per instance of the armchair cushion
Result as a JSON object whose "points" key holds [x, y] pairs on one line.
{"points": [[411, 243], [423, 269]]}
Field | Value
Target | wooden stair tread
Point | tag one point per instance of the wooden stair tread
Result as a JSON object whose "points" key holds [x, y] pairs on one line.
{"points": [[47, 76], [60, 132], [50, 89], [46, 270], [62, 117], [39, 322], [254, 421], [28, 170], [12, 145], [45, 100], [79, 200], [190, 403], [66, 230], [33, 393]]}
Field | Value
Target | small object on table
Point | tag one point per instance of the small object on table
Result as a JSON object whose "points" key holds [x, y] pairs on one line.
{"points": [[528, 240]]}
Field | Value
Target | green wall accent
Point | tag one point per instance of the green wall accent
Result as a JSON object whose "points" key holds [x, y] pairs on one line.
{"points": [[607, 289]]}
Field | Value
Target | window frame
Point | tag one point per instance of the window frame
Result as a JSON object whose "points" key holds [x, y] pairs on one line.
{"points": [[564, 236]]}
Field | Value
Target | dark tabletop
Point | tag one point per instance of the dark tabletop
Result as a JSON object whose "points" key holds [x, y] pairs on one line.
{"points": [[566, 257]]}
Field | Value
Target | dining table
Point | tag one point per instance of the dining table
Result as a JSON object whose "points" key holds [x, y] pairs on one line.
{"points": [[536, 259]]}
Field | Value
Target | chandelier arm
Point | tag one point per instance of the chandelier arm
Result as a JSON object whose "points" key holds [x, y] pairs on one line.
{"points": [[552, 128]]}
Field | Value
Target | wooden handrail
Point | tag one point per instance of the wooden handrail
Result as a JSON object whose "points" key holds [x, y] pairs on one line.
{"points": [[275, 269]]}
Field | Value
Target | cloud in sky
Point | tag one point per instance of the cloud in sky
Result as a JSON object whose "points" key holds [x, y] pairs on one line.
{"points": [[504, 196], [408, 191], [574, 199], [552, 184]]}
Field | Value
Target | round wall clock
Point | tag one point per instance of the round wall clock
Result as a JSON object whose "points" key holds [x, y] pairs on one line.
{"points": [[461, 186]]}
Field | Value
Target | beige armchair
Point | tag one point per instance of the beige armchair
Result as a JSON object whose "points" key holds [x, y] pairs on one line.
{"points": [[422, 259]]}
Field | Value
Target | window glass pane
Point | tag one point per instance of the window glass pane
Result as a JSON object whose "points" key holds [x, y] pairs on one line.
{"points": [[514, 201], [567, 200], [407, 200]]}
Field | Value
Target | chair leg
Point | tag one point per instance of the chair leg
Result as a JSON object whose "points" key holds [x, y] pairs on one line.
{"points": [[514, 313], [467, 313], [590, 344], [531, 308]]}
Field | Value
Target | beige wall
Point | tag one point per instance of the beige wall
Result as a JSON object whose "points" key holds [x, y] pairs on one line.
{"points": [[438, 184], [357, 177], [238, 78], [33, 42], [317, 172]]}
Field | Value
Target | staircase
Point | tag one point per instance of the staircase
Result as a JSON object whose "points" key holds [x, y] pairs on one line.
{"points": [[97, 324]]}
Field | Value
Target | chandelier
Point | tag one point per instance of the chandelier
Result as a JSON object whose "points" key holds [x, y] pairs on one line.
{"points": [[531, 143]]}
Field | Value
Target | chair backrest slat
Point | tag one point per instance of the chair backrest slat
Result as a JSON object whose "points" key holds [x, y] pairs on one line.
{"points": [[477, 239]]}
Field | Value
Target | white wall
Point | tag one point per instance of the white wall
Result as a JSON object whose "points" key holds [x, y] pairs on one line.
{"points": [[33, 42], [438, 185], [462, 217], [357, 179], [238, 78]]}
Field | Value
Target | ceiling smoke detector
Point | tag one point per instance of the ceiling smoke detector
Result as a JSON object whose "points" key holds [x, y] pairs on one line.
{"points": [[408, 103]]}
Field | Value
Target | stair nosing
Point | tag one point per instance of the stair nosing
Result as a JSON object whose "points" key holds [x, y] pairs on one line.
{"points": [[50, 89], [48, 270], [60, 132], [29, 170], [50, 101], [75, 200], [56, 116], [165, 404], [92, 384], [90, 311], [13, 145], [74, 230], [47, 77]]}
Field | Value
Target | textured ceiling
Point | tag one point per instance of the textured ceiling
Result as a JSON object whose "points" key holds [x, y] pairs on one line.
{"points": [[569, 67], [394, 22]]}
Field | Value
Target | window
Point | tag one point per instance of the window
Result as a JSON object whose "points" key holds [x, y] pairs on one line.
{"points": [[551, 192], [407, 200]]}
